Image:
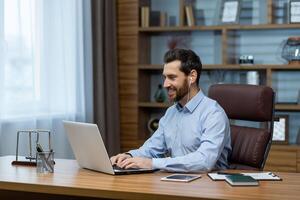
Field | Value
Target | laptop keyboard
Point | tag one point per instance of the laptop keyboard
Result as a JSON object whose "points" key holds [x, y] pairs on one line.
{"points": [[115, 167]]}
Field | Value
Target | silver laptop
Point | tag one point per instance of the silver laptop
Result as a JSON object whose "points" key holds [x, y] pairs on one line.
{"points": [[89, 149]]}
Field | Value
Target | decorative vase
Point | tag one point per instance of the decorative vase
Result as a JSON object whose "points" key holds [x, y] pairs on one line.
{"points": [[160, 95], [153, 124], [291, 50]]}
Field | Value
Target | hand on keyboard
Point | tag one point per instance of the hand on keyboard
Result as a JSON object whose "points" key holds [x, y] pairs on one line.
{"points": [[120, 168]]}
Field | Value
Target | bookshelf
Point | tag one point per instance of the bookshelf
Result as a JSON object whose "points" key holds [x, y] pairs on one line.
{"points": [[141, 50]]}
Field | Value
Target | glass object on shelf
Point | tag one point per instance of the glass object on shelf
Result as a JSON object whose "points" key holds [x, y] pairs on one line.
{"points": [[160, 95], [291, 50]]}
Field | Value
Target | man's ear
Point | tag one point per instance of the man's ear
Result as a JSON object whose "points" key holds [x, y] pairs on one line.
{"points": [[193, 76]]}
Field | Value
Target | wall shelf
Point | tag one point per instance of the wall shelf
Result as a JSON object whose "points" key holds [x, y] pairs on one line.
{"points": [[218, 28], [229, 67]]}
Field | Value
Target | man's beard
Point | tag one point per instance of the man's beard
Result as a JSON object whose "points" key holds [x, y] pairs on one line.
{"points": [[181, 92]]}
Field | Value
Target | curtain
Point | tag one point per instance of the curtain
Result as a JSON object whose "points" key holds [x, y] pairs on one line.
{"points": [[45, 73], [106, 93]]}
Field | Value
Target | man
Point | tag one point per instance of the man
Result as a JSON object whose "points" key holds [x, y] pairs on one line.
{"points": [[194, 133]]}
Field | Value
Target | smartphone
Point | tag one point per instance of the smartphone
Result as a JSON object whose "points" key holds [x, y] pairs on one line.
{"points": [[181, 177]]}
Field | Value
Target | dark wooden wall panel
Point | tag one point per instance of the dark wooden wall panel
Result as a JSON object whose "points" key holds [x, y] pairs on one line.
{"points": [[127, 16]]}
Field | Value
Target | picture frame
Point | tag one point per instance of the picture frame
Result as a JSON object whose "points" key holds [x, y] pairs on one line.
{"points": [[230, 11], [294, 11], [281, 129]]}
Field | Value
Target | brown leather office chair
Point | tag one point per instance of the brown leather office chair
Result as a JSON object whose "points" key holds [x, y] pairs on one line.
{"points": [[250, 146]]}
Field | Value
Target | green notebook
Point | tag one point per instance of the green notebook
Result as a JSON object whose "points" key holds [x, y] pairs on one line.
{"points": [[241, 180]]}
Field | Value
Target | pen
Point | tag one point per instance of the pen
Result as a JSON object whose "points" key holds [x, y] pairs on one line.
{"points": [[272, 174]]}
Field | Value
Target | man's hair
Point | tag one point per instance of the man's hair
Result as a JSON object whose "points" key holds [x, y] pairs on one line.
{"points": [[189, 60]]}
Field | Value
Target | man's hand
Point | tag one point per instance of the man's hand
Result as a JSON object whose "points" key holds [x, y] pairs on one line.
{"points": [[136, 162], [118, 159]]}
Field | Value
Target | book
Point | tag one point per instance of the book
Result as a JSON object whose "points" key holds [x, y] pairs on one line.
{"points": [[192, 15], [262, 176], [145, 16], [189, 16], [154, 18], [163, 19], [241, 180]]}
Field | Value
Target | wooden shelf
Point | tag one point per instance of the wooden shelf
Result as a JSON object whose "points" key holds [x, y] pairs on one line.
{"points": [[153, 105], [218, 27], [262, 26], [230, 67], [179, 28], [285, 67], [236, 67], [287, 107]]}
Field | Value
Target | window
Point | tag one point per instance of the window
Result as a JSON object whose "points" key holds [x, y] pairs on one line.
{"points": [[41, 70]]}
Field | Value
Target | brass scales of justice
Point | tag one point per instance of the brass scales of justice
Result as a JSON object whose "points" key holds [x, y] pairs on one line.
{"points": [[30, 160]]}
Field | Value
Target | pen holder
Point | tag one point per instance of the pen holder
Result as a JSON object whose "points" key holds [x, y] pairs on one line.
{"points": [[45, 162]]}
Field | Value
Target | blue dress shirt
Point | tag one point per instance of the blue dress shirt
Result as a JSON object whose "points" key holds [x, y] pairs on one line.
{"points": [[193, 138]]}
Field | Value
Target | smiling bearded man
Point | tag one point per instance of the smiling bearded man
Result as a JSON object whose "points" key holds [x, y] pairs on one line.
{"points": [[194, 133]]}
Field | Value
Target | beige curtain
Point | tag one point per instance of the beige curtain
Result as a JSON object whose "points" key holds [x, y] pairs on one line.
{"points": [[106, 102]]}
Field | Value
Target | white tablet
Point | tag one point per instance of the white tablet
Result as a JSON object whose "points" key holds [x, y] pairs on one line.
{"points": [[181, 177]]}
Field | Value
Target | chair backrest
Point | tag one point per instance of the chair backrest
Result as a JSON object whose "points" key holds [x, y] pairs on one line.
{"points": [[250, 146]]}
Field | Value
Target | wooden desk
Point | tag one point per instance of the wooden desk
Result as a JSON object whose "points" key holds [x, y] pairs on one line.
{"points": [[69, 181]]}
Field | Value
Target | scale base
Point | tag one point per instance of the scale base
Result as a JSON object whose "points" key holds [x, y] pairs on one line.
{"points": [[23, 163]]}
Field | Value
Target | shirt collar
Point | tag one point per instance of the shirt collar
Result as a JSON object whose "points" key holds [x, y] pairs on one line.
{"points": [[192, 104]]}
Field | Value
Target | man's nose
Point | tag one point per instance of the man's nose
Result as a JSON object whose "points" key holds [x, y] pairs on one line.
{"points": [[166, 83]]}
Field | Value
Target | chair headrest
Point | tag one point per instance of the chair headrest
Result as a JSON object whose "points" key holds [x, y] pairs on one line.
{"points": [[244, 102]]}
